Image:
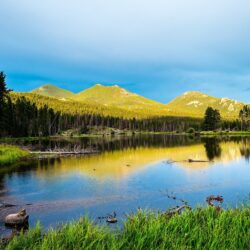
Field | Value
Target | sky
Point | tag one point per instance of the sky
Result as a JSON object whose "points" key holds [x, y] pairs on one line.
{"points": [[155, 48]]}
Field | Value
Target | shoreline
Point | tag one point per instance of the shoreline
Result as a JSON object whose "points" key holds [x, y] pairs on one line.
{"points": [[201, 134]]}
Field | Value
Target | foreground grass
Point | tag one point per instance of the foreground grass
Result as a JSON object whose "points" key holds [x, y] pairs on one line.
{"points": [[11, 154], [198, 229]]}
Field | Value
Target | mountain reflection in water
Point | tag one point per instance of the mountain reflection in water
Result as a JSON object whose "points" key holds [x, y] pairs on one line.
{"points": [[129, 172]]}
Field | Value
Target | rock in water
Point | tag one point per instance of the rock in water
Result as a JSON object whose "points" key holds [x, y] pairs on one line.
{"points": [[112, 220], [18, 219]]}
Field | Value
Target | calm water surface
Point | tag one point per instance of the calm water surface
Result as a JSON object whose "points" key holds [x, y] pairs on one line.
{"points": [[128, 173]]}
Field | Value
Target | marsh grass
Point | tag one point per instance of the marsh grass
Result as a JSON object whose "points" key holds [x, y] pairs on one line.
{"points": [[202, 228], [11, 154]]}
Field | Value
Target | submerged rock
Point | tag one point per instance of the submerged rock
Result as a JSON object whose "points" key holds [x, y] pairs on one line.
{"points": [[112, 220], [17, 219]]}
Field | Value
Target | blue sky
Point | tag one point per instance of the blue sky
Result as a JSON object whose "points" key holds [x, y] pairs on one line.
{"points": [[156, 48]]}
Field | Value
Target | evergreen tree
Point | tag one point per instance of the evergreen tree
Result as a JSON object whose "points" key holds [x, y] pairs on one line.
{"points": [[244, 116], [3, 88], [3, 104], [212, 119]]}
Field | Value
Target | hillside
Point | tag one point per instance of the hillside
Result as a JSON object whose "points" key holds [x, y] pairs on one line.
{"points": [[75, 107], [53, 91], [116, 101], [194, 104], [112, 100], [114, 95], [70, 106]]}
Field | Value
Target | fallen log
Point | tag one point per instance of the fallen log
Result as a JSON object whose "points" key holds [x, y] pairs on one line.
{"points": [[191, 160], [188, 160], [176, 210], [63, 153]]}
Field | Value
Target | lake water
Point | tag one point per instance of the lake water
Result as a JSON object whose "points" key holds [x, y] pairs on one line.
{"points": [[128, 173]]}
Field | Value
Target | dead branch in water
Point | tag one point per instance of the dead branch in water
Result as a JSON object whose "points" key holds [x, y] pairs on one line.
{"points": [[77, 150], [176, 210], [211, 199], [189, 161]]}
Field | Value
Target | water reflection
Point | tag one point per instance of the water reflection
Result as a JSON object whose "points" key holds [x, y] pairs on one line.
{"points": [[213, 148], [107, 143], [125, 156], [127, 173]]}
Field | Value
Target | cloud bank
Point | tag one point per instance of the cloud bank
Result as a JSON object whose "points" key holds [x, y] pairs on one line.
{"points": [[156, 48]]}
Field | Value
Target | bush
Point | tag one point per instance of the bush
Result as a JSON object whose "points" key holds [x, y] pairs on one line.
{"points": [[11, 154], [191, 131]]}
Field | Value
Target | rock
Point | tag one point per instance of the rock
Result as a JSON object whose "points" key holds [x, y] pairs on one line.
{"points": [[17, 219], [112, 220]]}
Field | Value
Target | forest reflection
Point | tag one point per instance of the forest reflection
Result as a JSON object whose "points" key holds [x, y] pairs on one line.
{"points": [[120, 157]]}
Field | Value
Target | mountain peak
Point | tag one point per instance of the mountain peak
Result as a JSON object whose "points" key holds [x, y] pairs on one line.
{"points": [[53, 91], [114, 95], [190, 103], [194, 93], [195, 103], [106, 86]]}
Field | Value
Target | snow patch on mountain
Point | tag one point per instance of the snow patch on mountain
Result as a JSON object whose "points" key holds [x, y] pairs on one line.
{"points": [[195, 103]]}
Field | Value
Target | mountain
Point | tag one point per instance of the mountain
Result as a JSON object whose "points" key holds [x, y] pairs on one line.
{"points": [[118, 100], [53, 91], [115, 95], [194, 104], [110, 98]]}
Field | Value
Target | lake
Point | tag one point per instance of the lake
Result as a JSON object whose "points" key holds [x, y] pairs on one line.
{"points": [[148, 171]]}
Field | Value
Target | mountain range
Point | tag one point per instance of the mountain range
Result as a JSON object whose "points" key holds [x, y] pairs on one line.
{"points": [[190, 104]]}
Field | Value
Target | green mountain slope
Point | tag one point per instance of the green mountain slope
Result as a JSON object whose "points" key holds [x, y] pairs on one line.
{"points": [[116, 101], [194, 104], [76, 107], [114, 95], [53, 91]]}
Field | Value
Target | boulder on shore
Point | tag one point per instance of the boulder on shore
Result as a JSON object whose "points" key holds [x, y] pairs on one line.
{"points": [[18, 219]]}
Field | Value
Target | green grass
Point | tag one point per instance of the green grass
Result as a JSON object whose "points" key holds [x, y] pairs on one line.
{"points": [[218, 133], [202, 228], [11, 154]]}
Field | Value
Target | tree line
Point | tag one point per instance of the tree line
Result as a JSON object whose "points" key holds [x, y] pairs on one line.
{"points": [[212, 120], [22, 116]]}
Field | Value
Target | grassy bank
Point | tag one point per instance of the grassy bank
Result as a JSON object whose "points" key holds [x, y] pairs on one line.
{"points": [[11, 154], [198, 229], [218, 133]]}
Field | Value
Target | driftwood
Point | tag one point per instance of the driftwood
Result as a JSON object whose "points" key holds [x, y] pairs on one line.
{"points": [[189, 160], [76, 150], [176, 210], [65, 152], [17, 219], [211, 199]]}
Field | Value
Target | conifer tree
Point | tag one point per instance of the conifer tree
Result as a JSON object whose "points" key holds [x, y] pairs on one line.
{"points": [[212, 119], [3, 103]]}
